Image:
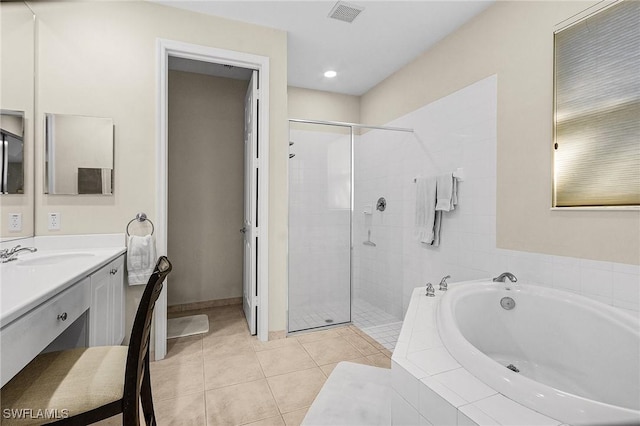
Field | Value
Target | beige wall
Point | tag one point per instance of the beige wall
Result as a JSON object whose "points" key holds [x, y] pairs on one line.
{"points": [[206, 156], [515, 41], [99, 59], [318, 105], [16, 93]]}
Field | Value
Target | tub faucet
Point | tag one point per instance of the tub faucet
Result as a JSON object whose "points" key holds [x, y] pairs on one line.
{"points": [[430, 290], [443, 283], [500, 278], [8, 255]]}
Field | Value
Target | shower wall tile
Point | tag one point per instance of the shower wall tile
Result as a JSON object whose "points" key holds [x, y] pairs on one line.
{"points": [[458, 130]]}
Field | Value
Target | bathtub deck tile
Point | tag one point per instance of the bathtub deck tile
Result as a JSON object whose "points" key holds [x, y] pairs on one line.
{"points": [[465, 384], [433, 361], [470, 415], [508, 412], [428, 338]]}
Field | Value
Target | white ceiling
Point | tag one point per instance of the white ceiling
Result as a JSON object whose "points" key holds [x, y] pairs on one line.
{"points": [[382, 39]]}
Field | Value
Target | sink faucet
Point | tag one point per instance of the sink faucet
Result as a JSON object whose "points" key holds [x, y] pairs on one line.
{"points": [[443, 283], [8, 255], [500, 278]]}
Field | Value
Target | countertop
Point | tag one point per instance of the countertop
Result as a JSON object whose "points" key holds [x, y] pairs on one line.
{"points": [[24, 286]]}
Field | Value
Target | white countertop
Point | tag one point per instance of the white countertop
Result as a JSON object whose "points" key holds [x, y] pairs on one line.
{"points": [[24, 286]]}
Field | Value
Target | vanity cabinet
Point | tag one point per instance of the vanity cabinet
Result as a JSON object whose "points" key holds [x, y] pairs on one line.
{"points": [[25, 338], [106, 315]]}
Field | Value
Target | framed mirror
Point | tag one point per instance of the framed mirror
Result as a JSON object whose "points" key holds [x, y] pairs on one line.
{"points": [[79, 155]]}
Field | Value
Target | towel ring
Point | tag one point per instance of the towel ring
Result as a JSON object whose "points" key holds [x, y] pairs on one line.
{"points": [[141, 217]]}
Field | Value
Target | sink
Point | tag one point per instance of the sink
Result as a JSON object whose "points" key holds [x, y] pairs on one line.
{"points": [[51, 259]]}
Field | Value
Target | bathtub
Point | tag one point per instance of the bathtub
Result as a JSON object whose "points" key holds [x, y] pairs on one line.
{"points": [[578, 359]]}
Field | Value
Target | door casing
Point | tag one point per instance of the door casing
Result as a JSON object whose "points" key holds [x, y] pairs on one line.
{"points": [[164, 49]]}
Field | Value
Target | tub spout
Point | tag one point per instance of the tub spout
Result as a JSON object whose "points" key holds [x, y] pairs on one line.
{"points": [[500, 278], [443, 283]]}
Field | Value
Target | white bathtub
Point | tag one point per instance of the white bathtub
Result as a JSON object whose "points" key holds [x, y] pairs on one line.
{"points": [[579, 360]]}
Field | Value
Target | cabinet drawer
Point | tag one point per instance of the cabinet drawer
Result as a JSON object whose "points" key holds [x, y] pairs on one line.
{"points": [[25, 338]]}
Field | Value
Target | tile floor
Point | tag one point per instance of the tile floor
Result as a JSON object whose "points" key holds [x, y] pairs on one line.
{"points": [[227, 377]]}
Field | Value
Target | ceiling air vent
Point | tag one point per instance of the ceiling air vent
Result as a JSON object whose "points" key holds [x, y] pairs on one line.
{"points": [[346, 12]]}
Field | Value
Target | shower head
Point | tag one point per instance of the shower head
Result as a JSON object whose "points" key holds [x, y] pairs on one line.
{"points": [[291, 155]]}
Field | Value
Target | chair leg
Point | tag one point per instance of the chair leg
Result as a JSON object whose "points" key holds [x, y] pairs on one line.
{"points": [[145, 396]]}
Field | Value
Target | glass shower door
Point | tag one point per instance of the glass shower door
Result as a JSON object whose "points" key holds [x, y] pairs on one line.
{"points": [[320, 186]]}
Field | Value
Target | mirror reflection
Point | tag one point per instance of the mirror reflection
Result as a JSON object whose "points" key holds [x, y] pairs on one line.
{"points": [[12, 152], [79, 155]]}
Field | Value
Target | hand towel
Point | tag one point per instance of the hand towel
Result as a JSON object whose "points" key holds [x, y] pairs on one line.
{"points": [[446, 197], [141, 258], [425, 209], [436, 229]]}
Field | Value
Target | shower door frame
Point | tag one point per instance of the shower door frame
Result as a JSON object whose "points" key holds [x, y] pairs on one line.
{"points": [[352, 127]]}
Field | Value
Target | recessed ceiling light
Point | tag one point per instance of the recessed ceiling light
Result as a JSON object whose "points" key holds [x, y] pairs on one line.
{"points": [[330, 74]]}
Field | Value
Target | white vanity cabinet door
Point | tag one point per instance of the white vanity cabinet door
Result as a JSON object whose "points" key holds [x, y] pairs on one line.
{"points": [[118, 300], [106, 315]]}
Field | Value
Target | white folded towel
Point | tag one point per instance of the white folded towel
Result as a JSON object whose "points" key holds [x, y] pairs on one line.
{"points": [[425, 209], [446, 192], [141, 258]]}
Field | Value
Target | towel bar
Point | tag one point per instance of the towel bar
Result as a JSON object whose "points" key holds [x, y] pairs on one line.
{"points": [[141, 217], [458, 174]]}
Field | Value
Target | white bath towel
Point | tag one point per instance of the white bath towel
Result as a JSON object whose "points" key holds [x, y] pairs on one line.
{"points": [[141, 258], [425, 209], [446, 192]]}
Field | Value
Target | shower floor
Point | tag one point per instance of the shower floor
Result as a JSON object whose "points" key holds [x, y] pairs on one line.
{"points": [[318, 316], [378, 324]]}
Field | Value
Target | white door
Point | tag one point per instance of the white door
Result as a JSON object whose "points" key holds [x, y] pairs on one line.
{"points": [[250, 227]]}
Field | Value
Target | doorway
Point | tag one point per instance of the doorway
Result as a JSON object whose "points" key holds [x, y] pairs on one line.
{"points": [[255, 191]]}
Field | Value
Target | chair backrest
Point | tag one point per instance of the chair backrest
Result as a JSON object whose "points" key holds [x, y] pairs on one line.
{"points": [[138, 354]]}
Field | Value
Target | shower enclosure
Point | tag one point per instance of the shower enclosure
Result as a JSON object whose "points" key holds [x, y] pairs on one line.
{"points": [[345, 261]]}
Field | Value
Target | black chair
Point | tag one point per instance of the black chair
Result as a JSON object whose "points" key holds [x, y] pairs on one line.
{"points": [[84, 385]]}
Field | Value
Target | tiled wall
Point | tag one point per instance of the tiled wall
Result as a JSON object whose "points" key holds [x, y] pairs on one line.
{"points": [[379, 172], [457, 131]]}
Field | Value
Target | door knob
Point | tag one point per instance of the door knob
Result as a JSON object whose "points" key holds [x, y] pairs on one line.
{"points": [[243, 229]]}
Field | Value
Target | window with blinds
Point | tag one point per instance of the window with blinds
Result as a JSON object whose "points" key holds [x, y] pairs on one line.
{"points": [[597, 109]]}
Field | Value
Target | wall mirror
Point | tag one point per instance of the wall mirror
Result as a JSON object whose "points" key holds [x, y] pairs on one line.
{"points": [[12, 152], [79, 155], [17, 100]]}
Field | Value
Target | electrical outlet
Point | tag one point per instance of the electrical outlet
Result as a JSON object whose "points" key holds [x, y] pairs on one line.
{"points": [[15, 222], [54, 221]]}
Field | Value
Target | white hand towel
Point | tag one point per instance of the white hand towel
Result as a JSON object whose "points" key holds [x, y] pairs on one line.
{"points": [[445, 190], [141, 258], [425, 209]]}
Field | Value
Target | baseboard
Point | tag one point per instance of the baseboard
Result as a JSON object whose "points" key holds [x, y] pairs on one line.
{"points": [[203, 305]]}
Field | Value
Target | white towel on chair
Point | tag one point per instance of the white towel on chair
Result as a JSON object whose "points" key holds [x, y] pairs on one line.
{"points": [[141, 258], [425, 209]]}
